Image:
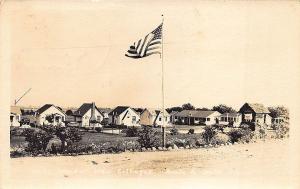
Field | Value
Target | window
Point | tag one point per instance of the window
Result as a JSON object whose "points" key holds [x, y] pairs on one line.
{"points": [[98, 118], [159, 119], [133, 118], [176, 117], [234, 119], [196, 119], [208, 119], [166, 119], [226, 119]]}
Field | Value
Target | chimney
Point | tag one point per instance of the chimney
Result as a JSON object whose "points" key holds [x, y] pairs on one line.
{"points": [[93, 116]]}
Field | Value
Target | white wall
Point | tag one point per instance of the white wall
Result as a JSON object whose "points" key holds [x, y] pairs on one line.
{"points": [[52, 110], [212, 118], [15, 120], [86, 117], [128, 119], [159, 120]]}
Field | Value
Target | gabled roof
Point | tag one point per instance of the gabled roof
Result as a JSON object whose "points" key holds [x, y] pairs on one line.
{"points": [[84, 108], [257, 108], [195, 113], [15, 110], [118, 110], [155, 112], [46, 107], [173, 113], [105, 110]]}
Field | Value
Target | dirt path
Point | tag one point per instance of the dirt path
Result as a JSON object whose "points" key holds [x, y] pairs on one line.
{"points": [[264, 163]]}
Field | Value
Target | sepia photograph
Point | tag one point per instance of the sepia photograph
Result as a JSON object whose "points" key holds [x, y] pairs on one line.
{"points": [[164, 94]]}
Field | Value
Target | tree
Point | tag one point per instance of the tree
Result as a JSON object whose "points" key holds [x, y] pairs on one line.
{"points": [[188, 106], [174, 109], [278, 111], [222, 108]]}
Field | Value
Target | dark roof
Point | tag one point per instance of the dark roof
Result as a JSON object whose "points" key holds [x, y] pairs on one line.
{"points": [[84, 108], [104, 110], [46, 106], [257, 108], [43, 108], [195, 113], [118, 110]]}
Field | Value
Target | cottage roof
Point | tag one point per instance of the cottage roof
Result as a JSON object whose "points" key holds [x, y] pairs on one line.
{"points": [[105, 110], [195, 113], [84, 108], [156, 112], [15, 110], [46, 107], [118, 110], [258, 108]]}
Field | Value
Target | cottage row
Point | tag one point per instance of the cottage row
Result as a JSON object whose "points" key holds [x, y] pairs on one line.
{"points": [[88, 115]]}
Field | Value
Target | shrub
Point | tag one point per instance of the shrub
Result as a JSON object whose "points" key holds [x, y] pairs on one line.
{"points": [[242, 134], [219, 127], [174, 131], [200, 142], [149, 137], [191, 142], [131, 132], [219, 139], [37, 140], [208, 134], [18, 152], [68, 136], [191, 131], [235, 135], [98, 129], [281, 130]]}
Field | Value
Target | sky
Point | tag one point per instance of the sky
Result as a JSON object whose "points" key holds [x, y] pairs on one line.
{"points": [[228, 52]]}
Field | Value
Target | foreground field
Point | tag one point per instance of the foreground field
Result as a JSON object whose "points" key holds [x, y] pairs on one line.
{"points": [[263, 163]]}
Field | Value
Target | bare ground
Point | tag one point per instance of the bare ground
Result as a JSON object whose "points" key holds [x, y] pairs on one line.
{"points": [[261, 164]]}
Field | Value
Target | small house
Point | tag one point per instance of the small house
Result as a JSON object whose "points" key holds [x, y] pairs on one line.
{"points": [[15, 116], [231, 119], [197, 117], [124, 115], [153, 117], [88, 116], [255, 113], [50, 114]]}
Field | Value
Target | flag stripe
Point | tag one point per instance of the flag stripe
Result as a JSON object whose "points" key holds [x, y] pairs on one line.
{"points": [[150, 44]]}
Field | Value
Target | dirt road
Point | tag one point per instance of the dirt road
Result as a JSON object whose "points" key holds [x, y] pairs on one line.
{"points": [[257, 164]]}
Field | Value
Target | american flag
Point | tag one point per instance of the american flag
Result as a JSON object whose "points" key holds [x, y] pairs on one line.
{"points": [[150, 44]]}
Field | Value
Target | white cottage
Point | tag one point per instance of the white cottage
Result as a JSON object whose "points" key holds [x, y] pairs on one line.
{"points": [[232, 119], [153, 117], [15, 116], [196, 117], [50, 114], [88, 115], [124, 115]]}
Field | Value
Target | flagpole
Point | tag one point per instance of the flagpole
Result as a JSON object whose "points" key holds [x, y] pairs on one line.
{"points": [[162, 86]]}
